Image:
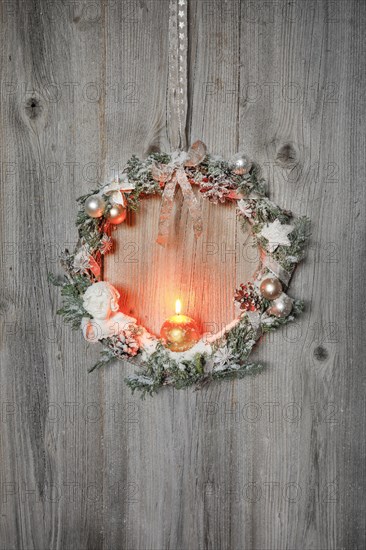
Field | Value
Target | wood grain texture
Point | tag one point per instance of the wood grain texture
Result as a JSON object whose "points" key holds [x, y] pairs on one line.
{"points": [[274, 462]]}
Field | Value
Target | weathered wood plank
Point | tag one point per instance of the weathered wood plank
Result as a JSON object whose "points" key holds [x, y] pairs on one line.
{"points": [[311, 118], [51, 135]]}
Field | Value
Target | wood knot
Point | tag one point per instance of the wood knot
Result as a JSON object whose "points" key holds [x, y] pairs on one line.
{"points": [[320, 353], [4, 307], [287, 155], [33, 108], [152, 149]]}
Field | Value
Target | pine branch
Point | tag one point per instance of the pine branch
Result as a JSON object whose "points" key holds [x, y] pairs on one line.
{"points": [[148, 386], [287, 256], [107, 357], [245, 370]]}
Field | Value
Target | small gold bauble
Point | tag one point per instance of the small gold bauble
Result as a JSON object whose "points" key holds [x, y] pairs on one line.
{"points": [[240, 164], [271, 288], [117, 214], [179, 333], [281, 307], [94, 206]]}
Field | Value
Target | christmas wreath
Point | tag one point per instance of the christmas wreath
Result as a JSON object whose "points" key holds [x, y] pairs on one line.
{"points": [[181, 356]]}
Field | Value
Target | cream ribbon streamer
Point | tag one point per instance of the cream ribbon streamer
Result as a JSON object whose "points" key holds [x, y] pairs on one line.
{"points": [[277, 270], [171, 175]]}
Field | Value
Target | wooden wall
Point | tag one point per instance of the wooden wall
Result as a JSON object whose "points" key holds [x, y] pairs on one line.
{"points": [[275, 462]]}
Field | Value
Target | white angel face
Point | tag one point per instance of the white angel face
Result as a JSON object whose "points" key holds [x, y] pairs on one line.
{"points": [[101, 300]]}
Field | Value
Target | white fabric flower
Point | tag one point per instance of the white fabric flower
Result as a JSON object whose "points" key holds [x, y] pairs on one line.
{"points": [[82, 260], [245, 208], [222, 358], [277, 234], [116, 188]]}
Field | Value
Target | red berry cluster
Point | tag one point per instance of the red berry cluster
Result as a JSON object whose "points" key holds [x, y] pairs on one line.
{"points": [[247, 297]]}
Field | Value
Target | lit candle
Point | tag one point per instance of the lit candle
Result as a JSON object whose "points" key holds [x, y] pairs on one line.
{"points": [[179, 332]]}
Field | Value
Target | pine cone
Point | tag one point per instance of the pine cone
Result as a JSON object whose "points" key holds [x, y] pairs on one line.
{"points": [[247, 298]]}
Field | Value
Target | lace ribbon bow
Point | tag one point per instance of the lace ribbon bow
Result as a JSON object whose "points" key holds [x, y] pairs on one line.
{"points": [[173, 174]]}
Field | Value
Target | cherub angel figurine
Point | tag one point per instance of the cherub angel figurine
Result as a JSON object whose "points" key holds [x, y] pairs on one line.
{"points": [[101, 302]]}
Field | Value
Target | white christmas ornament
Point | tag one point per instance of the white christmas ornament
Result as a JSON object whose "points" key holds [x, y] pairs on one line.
{"points": [[277, 234], [101, 302]]}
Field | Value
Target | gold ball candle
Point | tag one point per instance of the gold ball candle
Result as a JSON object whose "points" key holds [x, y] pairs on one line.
{"points": [[179, 332]]}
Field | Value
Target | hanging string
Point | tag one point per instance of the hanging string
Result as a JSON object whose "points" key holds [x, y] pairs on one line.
{"points": [[174, 174], [177, 84]]}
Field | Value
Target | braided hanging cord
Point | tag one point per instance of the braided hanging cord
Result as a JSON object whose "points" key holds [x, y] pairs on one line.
{"points": [[177, 85]]}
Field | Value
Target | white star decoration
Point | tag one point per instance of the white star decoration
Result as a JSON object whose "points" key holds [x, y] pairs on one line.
{"points": [[181, 2], [276, 234], [182, 25], [181, 13]]}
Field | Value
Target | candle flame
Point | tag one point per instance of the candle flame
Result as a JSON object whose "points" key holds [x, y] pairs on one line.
{"points": [[178, 307]]}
